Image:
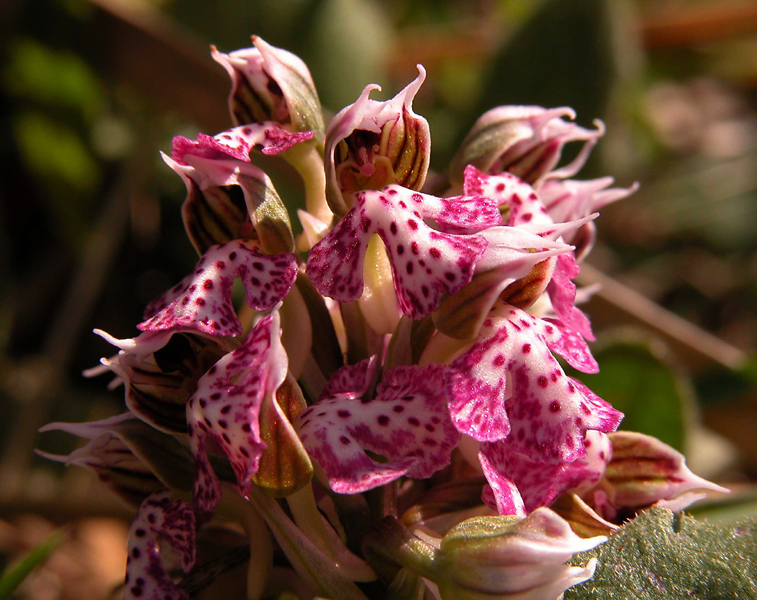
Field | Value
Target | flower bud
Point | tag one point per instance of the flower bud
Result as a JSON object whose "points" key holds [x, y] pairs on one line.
{"points": [[372, 144], [160, 371], [487, 557], [527, 141], [132, 458], [502, 557], [643, 471], [227, 197], [271, 84]]}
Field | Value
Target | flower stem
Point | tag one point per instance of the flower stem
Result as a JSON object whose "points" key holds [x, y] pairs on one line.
{"points": [[310, 521], [308, 161], [261, 546]]}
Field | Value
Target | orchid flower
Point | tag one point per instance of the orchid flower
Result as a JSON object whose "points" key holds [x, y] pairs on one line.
{"points": [[202, 300], [425, 261], [214, 170], [404, 423], [159, 517], [526, 141], [403, 347], [159, 370], [122, 450], [525, 207], [226, 407], [371, 144], [271, 84]]}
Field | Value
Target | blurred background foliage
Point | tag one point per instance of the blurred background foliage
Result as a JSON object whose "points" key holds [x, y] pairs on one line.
{"points": [[90, 231]]}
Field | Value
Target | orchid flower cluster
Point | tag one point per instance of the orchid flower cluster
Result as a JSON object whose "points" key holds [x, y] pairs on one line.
{"points": [[377, 401]]}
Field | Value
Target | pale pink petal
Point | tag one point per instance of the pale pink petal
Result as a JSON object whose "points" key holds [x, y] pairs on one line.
{"points": [[372, 116], [351, 379], [425, 262], [406, 423], [524, 204], [159, 517], [226, 406], [569, 199], [202, 300], [569, 344], [500, 493]]}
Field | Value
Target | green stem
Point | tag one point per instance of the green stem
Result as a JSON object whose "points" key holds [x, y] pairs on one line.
{"points": [[389, 545], [261, 546], [308, 160], [306, 558], [310, 521]]}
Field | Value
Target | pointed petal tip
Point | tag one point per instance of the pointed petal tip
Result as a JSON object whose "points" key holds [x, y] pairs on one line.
{"points": [[600, 125]]}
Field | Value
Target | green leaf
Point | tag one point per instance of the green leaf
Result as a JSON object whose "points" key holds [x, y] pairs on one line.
{"points": [[637, 380], [47, 76], [661, 555], [15, 575]]}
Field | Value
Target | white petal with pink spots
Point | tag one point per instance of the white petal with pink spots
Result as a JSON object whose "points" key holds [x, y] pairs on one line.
{"points": [[226, 407], [425, 262], [202, 300], [406, 423], [508, 384]]}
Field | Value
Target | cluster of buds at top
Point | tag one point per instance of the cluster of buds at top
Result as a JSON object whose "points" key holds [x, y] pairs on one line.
{"points": [[412, 335]]}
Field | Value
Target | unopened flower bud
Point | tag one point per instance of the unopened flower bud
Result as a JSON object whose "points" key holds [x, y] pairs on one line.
{"points": [[372, 144], [526, 141], [271, 84], [503, 557], [643, 470], [488, 557]]}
